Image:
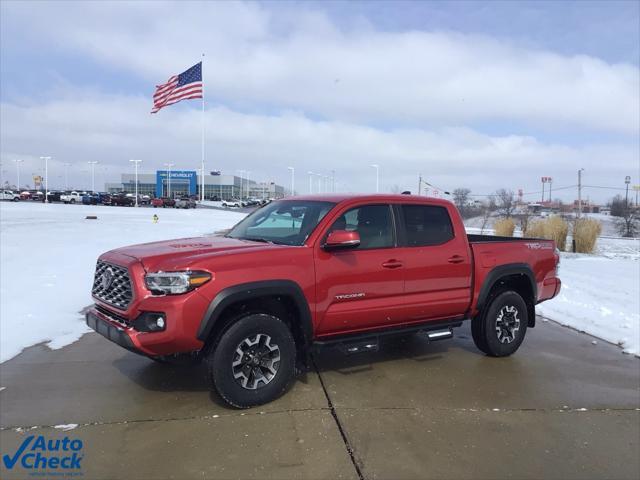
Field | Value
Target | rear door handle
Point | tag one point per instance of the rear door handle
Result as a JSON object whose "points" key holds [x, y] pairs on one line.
{"points": [[392, 264], [456, 259]]}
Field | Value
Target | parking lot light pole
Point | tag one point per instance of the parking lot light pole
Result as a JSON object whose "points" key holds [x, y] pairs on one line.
{"points": [[169, 165], [292, 179], [135, 163], [311, 174], [377, 167], [46, 178], [93, 174], [241, 172], [66, 175], [18, 162]]}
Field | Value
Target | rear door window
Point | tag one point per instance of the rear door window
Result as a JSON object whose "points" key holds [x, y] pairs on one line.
{"points": [[426, 225]]}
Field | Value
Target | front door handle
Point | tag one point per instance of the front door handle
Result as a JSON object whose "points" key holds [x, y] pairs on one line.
{"points": [[392, 264], [456, 259]]}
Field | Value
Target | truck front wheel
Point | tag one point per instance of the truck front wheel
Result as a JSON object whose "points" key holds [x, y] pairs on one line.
{"points": [[253, 362], [501, 328]]}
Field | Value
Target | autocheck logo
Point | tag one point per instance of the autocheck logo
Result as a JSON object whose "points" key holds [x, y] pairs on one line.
{"points": [[37, 454]]}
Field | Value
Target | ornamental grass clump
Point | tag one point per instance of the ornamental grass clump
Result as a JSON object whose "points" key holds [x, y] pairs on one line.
{"points": [[585, 233], [504, 227]]}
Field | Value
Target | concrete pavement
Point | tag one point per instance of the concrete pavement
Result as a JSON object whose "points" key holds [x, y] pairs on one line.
{"points": [[560, 408]]}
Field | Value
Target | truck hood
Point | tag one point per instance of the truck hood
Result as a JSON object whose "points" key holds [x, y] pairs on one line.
{"points": [[179, 254]]}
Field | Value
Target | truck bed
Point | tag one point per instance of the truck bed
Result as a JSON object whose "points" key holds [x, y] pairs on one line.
{"points": [[475, 238]]}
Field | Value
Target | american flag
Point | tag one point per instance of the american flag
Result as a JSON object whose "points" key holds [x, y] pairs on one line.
{"points": [[185, 86]]}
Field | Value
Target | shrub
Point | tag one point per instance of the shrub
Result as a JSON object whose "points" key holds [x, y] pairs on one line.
{"points": [[585, 234], [552, 228], [557, 229], [535, 229], [504, 227]]}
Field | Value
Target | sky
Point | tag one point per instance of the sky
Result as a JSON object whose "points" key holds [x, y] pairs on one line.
{"points": [[480, 95]]}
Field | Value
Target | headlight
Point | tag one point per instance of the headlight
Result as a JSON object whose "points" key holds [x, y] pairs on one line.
{"points": [[174, 283]]}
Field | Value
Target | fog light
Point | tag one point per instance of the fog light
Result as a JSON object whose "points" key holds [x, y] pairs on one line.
{"points": [[150, 322]]}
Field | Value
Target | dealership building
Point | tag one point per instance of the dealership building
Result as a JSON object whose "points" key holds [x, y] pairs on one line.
{"points": [[187, 182]]}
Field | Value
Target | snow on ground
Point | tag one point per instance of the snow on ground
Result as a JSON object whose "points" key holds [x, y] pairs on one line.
{"points": [[48, 255], [601, 296]]}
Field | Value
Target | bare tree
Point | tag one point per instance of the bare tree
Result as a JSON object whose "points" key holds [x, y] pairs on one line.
{"points": [[628, 218], [487, 210], [524, 219], [506, 202], [461, 200]]}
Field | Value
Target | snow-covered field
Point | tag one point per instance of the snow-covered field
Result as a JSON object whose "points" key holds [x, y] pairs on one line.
{"points": [[48, 255], [601, 294]]}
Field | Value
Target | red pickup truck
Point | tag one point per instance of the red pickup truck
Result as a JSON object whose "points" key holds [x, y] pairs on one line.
{"points": [[318, 270]]}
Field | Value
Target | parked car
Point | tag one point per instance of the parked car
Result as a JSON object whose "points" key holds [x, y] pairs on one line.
{"points": [[144, 199], [157, 202], [313, 271], [26, 195], [185, 202], [232, 203], [72, 197], [168, 202], [9, 195], [122, 200], [53, 196], [95, 198]]}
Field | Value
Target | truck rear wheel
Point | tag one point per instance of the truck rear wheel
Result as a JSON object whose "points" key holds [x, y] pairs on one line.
{"points": [[253, 362], [500, 329]]}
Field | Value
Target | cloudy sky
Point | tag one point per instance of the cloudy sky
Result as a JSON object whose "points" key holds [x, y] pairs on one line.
{"points": [[470, 94]]}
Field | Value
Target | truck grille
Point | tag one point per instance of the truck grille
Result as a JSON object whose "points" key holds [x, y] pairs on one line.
{"points": [[113, 316], [112, 285]]}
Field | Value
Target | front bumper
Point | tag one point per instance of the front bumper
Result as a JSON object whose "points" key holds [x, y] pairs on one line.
{"points": [[110, 331]]}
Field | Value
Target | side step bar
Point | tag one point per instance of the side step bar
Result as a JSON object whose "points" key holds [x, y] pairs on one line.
{"points": [[370, 341]]}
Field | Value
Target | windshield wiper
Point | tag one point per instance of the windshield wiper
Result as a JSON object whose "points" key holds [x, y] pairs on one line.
{"points": [[258, 239]]}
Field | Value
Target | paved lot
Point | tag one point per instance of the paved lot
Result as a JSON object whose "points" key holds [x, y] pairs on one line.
{"points": [[560, 408]]}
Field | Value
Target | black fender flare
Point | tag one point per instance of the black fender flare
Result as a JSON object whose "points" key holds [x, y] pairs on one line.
{"points": [[503, 271], [248, 291]]}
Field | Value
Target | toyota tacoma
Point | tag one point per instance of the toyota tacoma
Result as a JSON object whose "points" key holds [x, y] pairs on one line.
{"points": [[308, 271]]}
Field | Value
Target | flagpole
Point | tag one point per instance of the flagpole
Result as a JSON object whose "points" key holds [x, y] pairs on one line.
{"points": [[202, 170]]}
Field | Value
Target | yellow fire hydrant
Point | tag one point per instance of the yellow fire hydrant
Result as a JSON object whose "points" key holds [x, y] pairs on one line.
{"points": [[155, 218]]}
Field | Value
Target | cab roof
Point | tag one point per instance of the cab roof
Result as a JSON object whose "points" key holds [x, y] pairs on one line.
{"points": [[381, 197]]}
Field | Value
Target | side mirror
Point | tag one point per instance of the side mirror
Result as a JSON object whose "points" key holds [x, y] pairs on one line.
{"points": [[342, 239]]}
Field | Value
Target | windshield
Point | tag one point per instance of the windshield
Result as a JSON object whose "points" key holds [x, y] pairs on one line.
{"points": [[287, 222]]}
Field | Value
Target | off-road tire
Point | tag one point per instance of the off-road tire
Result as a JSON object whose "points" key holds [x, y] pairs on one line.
{"points": [[507, 307], [220, 360]]}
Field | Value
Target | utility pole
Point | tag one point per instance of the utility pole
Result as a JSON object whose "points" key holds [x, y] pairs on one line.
{"points": [[18, 162], [46, 178], [169, 165], [135, 163], [550, 185], [580, 192], [93, 174], [377, 167], [292, 180], [419, 184]]}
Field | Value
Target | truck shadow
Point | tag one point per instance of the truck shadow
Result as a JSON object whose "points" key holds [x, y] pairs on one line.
{"points": [[160, 377]]}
